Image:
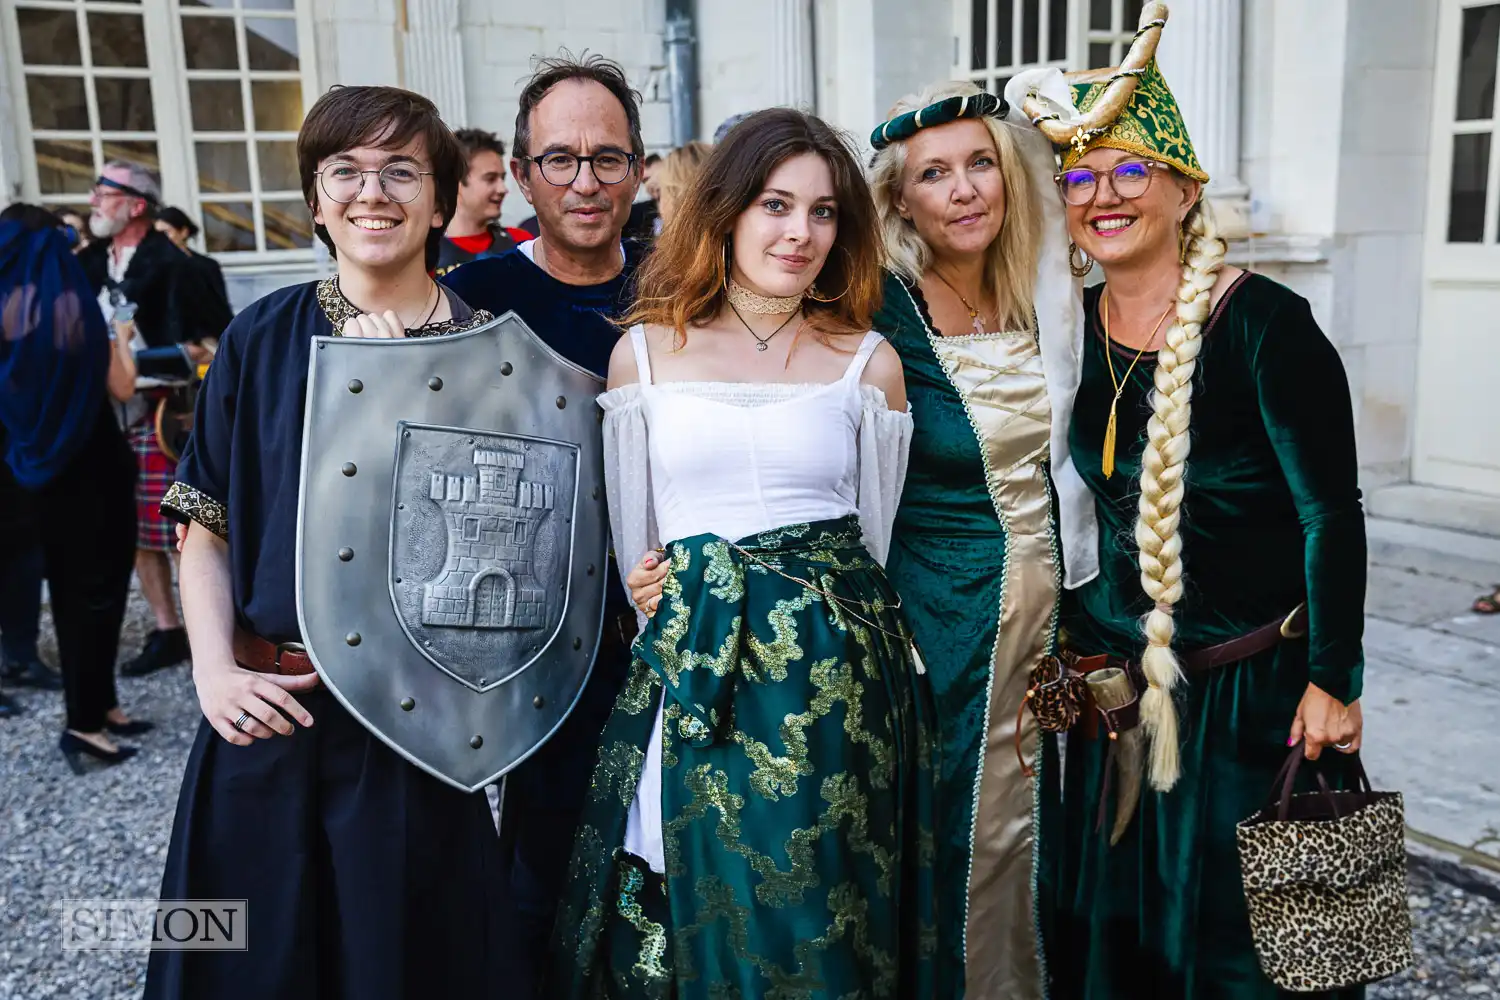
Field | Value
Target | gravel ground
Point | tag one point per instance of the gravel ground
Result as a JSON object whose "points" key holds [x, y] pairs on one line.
{"points": [[104, 835]]}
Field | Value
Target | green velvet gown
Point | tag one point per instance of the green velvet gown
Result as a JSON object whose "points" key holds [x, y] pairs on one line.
{"points": [[974, 558], [1271, 518]]}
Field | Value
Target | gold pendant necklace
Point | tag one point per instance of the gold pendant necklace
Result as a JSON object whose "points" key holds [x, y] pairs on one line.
{"points": [[1108, 463], [974, 316]]}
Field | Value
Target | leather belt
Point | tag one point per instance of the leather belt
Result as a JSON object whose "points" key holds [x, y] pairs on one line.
{"points": [[266, 657], [1252, 643], [290, 658]]}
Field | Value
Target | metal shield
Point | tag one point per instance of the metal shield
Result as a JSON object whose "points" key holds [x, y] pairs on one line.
{"points": [[452, 538]]}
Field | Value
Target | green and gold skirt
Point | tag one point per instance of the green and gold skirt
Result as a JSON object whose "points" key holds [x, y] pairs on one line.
{"points": [[797, 787]]}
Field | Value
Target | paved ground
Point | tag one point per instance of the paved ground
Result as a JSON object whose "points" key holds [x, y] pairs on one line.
{"points": [[1432, 708], [1432, 682]]}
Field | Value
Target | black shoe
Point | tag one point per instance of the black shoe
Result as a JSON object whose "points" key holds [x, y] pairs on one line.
{"points": [[164, 648], [32, 673], [9, 708], [134, 727], [75, 747]]}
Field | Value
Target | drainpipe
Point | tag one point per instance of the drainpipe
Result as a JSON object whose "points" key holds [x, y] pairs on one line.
{"points": [[682, 80]]}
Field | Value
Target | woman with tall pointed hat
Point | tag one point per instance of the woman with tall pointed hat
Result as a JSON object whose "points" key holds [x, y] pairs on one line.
{"points": [[984, 314], [1231, 583]]}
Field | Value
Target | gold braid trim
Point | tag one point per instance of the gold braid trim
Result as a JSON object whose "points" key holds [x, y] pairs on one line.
{"points": [[184, 503]]}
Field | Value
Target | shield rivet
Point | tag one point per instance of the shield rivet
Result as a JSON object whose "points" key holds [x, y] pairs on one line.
{"points": [[477, 742], [562, 402], [596, 493], [577, 643], [434, 383], [507, 368], [591, 569], [538, 701], [401, 506], [356, 386], [349, 468], [353, 639], [345, 554], [407, 704]]}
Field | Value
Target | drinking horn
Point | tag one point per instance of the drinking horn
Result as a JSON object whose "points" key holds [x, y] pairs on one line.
{"points": [[1113, 689]]}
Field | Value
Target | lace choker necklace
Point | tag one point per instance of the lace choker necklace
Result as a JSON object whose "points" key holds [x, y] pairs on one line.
{"points": [[743, 298]]}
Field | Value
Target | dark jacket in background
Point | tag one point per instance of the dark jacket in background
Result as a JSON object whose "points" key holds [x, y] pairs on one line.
{"points": [[152, 282], [204, 298]]}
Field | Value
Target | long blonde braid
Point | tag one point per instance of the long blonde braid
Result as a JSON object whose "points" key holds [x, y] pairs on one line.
{"points": [[1163, 465]]}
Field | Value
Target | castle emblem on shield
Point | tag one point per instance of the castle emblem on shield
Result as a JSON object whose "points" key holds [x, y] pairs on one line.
{"points": [[489, 580]]}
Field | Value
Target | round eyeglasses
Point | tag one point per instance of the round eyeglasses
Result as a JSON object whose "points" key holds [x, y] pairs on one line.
{"points": [[344, 182], [1130, 179], [561, 169]]}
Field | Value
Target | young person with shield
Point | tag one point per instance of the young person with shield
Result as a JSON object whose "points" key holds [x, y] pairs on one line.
{"points": [[365, 876]]}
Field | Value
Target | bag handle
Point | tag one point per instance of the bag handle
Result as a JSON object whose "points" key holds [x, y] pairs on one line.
{"points": [[1286, 779]]}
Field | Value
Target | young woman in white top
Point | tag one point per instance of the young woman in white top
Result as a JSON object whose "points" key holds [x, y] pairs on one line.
{"points": [[761, 811]]}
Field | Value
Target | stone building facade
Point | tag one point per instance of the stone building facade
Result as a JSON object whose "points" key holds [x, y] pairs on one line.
{"points": [[1349, 140]]}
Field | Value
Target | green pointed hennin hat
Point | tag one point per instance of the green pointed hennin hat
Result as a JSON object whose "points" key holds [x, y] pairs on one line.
{"points": [[1128, 107]]}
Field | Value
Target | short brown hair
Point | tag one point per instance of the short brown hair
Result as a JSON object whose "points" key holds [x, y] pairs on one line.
{"points": [[684, 278], [477, 140], [559, 69], [346, 118]]}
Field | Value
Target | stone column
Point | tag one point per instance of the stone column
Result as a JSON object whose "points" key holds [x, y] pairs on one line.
{"points": [[433, 54], [1200, 57], [791, 50]]}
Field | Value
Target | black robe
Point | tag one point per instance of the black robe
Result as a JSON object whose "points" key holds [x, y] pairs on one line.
{"points": [[365, 877]]}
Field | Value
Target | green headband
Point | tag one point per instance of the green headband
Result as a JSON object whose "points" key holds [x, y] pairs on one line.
{"points": [[944, 111]]}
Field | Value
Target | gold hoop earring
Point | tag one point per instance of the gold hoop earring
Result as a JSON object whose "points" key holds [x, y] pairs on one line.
{"points": [[812, 291], [1182, 243], [1079, 269]]}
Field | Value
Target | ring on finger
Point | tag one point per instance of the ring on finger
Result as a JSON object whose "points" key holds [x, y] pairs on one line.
{"points": [[1344, 746], [239, 724]]}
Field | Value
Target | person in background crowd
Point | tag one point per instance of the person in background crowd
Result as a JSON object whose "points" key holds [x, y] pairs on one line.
{"points": [[21, 604], [205, 299], [676, 174], [371, 878], [648, 175], [475, 231], [576, 158], [79, 227], [727, 124], [67, 475], [138, 273]]}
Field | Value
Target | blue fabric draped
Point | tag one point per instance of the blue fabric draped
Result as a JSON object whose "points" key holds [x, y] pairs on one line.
{"points": [[54, 353]]}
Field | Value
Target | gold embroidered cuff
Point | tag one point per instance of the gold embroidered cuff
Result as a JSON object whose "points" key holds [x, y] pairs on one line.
{"points": [[184, 503]]}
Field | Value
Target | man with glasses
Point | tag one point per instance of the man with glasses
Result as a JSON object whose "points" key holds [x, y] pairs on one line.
{"points": [[141, 278], [576, 158]]}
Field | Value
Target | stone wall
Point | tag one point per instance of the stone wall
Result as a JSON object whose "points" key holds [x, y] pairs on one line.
{"points": [[1336, 118]]}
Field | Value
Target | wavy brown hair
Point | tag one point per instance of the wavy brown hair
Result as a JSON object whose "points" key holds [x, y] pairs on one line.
{"points": [[682, 282]]}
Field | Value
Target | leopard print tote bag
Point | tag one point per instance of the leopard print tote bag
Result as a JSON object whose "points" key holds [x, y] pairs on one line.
{"points": [[1325, 880]]}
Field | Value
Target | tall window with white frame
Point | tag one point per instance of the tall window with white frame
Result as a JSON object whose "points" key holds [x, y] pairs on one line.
{"points": [[243, 70], [1473, 115], [87, 78], [1000, 38], [1112, 27]]}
